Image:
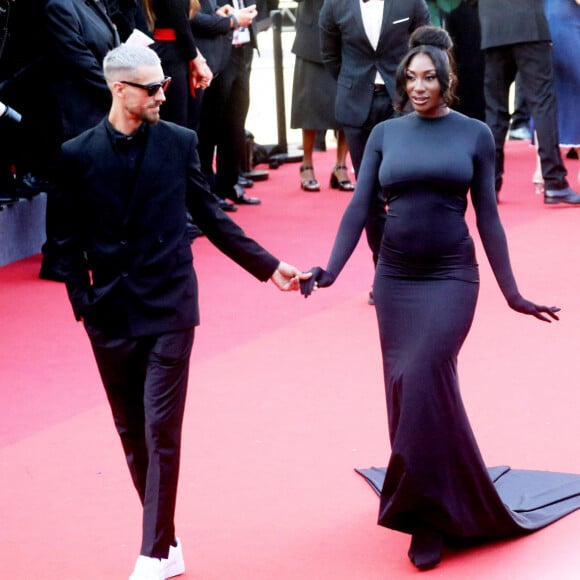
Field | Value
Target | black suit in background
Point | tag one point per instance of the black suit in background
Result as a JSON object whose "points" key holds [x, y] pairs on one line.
{"points": [[128, 266], [80, 33], [213, 36], [349, 55], [222, 124], [127, 15], [463, 27], [515, 38]]}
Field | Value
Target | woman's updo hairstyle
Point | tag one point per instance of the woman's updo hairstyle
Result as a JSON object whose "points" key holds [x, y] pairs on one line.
{"points": [[437, 45]]}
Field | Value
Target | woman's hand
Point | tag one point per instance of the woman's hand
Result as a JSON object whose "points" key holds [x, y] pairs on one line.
{"points": [[520, 304], [320, 279]]}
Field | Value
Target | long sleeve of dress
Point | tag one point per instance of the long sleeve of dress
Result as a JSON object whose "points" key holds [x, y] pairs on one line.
{"points": [[488, 222], [356, 214]]}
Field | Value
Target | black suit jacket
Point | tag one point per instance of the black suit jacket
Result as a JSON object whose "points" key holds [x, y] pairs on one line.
{"points": [[213, 35], [126, 253], [307, 40], [80, 34], [512, 22], [347, 52]]}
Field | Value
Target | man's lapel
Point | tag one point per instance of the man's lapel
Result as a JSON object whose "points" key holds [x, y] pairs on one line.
{"points": [[386, 23]]}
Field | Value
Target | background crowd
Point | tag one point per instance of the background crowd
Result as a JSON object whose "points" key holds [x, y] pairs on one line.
{"points": [[51, 54], [349, 79]]}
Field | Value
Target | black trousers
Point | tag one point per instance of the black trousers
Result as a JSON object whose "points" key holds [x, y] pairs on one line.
{"points": [[145, 380], [221, 129], [533, 61], [356, 139]]}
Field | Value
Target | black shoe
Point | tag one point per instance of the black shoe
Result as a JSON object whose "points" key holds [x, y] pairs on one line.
{"points": [[522, 133], [245, 182], [572, 153], [225, 205], [426, 548], [52, 275], [566, 195], [30, 185], [238, 195]]}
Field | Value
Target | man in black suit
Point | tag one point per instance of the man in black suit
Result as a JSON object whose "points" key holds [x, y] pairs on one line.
{"points": [[515, 38], [80, 33], [127, 261], [362, 43], [225, 108]]}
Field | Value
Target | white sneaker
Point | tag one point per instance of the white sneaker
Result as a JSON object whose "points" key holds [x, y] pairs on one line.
{"points": [[174, 564], [147, 568]]}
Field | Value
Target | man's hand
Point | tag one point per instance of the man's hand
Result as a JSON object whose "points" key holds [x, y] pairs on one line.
{"points": [[241, 18], [287, 277], [246, 15], [201, 74]]}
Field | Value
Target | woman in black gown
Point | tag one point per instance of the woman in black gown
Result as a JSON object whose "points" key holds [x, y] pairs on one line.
{"points": [[436, 487]]}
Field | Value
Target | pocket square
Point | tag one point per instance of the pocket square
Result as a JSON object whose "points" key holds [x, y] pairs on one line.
{"points": [[401, 20]]}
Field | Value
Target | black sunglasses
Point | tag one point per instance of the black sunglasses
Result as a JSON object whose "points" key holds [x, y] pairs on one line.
{"points": [[152, 88]]}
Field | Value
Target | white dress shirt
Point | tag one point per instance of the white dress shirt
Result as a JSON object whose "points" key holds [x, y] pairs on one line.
{"points": [[372, 16]]}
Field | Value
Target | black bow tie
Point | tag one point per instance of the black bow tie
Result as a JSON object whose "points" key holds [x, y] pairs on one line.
{"points": [[365, 0]]}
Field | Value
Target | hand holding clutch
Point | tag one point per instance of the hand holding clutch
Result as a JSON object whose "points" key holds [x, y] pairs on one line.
{"points": [[320, 279]]}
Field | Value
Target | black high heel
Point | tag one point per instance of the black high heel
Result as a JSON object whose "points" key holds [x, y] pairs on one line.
{"points": [[425, 549], [308, 183], [343, 184]]}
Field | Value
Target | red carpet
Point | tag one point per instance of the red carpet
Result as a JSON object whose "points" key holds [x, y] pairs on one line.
{"points": [[286, 398]]}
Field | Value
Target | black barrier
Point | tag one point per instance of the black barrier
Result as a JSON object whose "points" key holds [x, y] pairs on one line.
{"points": [[280, 153]]}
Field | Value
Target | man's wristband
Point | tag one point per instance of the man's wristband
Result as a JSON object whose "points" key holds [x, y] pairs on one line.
{"points": [[234, 21]]}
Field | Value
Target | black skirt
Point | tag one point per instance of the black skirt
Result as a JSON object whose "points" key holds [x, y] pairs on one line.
{"points": [[313, 97]]}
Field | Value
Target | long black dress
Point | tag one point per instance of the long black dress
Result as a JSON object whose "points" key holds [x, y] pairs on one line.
{"points": [[425, 290]]}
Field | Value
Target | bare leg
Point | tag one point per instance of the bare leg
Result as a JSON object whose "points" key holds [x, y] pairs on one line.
{"points": [[308, 180], [339, 178]]}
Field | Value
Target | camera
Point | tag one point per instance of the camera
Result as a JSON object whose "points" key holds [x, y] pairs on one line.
{"points": [[6, 111]]}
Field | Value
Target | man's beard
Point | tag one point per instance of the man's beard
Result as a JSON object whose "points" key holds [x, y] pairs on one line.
{"points": [[150, 116]]}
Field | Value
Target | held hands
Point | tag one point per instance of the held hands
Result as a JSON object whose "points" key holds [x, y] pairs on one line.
{"points": [[287, 277], [319, 279], [520, 304]]}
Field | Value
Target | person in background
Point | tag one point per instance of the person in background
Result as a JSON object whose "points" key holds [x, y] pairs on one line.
{"points": [[564, 21], [80, 33], [313, 97], [127, 263], [169, 23], [221, 132], [462, 23], [515, 38], [213, 28], [127, 15]]}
